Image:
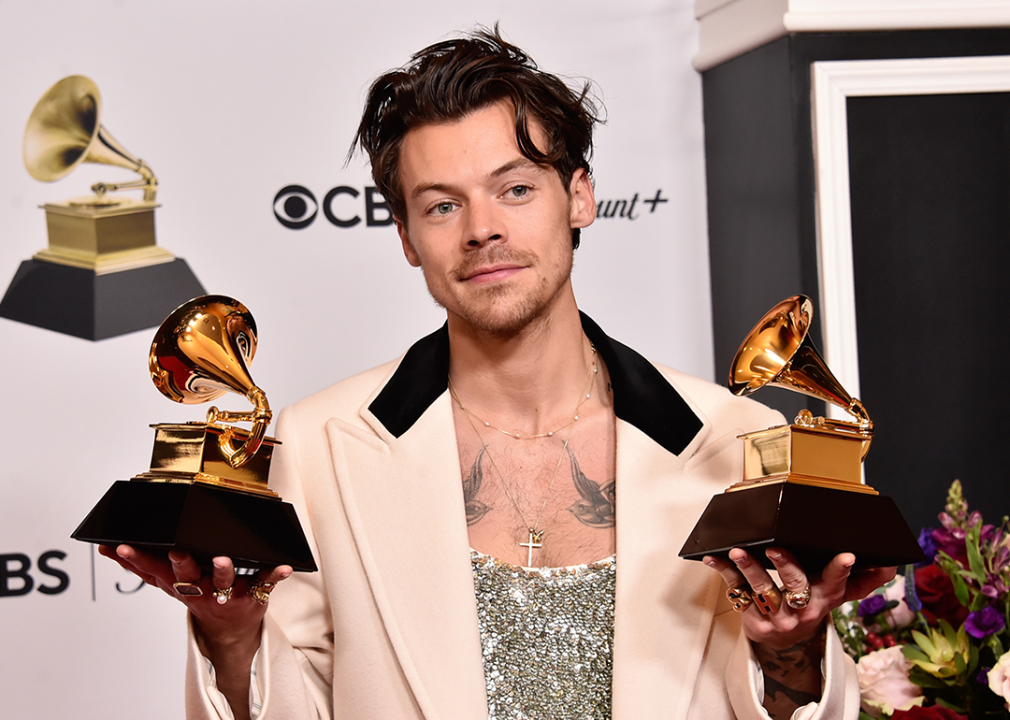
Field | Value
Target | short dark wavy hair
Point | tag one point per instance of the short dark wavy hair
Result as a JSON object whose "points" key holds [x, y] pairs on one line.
{"points": [[451, 79]]}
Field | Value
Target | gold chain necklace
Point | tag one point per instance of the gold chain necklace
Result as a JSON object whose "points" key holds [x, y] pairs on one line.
{"points": [[536, 536], [518, 436]]}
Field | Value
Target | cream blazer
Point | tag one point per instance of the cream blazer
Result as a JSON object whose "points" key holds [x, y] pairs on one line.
{"points": [[387, 629]]}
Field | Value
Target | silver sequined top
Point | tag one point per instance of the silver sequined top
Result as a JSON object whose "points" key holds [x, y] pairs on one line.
{"points": [[547, 636]]}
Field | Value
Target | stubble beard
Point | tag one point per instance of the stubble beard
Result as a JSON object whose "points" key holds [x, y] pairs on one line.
{"points": [[500, 309]]}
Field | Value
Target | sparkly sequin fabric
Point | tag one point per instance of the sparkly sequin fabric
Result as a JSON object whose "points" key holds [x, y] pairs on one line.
{"points": [[547, 636]]}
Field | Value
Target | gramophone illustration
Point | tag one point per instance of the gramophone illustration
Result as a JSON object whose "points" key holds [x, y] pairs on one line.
{"points": [[802, 485], [102, 274], [206, 492]]}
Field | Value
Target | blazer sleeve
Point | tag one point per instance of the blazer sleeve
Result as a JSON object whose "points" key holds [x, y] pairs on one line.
{"points": [[294, 665], [840, 685]]}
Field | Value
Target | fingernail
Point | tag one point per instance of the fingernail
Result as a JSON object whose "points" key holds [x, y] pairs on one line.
{"points": [[773, 555]]}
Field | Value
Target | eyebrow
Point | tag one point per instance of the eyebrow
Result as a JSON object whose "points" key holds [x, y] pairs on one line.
{"points": [[521, 162]]}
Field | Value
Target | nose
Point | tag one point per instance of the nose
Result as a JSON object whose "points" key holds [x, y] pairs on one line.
{"points": [[484, 224]]}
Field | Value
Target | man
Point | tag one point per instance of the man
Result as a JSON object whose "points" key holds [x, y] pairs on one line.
{"points": [[517, 436]]}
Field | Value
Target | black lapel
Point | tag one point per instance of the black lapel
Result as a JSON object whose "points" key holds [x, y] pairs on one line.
{"points": [[642, 396]]}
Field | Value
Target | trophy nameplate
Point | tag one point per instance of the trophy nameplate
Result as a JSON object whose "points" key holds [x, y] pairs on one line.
{"points": [[206, 492], [802, 486]]}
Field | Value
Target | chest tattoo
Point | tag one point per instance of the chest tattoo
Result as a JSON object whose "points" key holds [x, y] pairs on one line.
{"points": [[596, 505], [475, 509]]}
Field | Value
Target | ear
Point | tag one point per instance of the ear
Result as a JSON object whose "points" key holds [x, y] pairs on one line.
{"points": [[408, 250], [582, 212]]}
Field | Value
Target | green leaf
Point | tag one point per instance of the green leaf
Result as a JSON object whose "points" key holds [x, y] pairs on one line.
{"points": [[924, 642], [959, 664], [979, 602], [997, 647], [960, 589], [925, 680], [913, 653], [974, 556], [951, 706], [972, 660], [949, 633]]}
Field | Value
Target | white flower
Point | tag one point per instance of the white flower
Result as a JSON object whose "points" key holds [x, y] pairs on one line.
{"points": [[884, 683], [899, 616], [998, 679]]}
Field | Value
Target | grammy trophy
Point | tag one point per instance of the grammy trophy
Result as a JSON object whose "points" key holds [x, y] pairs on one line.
{"points": [[802, 486], [206, 492]]}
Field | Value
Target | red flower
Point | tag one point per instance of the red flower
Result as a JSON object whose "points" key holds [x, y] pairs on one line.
{"points": [[933, 712], [936, 592]]}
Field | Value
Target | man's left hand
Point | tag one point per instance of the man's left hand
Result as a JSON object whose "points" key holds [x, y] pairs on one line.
{"points": [[790, 626]]}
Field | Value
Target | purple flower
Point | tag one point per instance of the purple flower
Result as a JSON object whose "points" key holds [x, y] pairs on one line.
{"points": [[871, 606], [984, 622], [995, 588], [927, 544], [983, 677]]}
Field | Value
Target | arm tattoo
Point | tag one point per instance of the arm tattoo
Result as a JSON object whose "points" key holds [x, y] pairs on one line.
{"points": [[475, 509], [596, 508], [792, 676]]}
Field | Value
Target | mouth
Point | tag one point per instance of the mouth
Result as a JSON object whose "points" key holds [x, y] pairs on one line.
{"points": [[492, 273]]}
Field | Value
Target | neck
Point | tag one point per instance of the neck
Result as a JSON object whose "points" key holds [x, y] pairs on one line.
{"points": [[527, 380]]}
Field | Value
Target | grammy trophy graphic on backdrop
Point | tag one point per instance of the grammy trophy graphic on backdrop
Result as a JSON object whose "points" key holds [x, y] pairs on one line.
{"points": [[102, 274]]}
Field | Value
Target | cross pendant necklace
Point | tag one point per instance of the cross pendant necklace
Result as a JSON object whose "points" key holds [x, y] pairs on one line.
{"points": [[535, 541]]}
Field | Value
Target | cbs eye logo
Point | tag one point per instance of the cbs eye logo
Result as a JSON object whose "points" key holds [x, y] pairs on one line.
{"points": [[295, 207]]}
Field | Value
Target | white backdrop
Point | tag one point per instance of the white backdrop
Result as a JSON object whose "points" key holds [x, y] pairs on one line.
{"points": [[229, 102]]}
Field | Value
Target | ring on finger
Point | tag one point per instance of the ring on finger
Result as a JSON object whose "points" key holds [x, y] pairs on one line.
{"points": [[260, 591], [739, 597], [798, 600], [222, 595], [769, 601], [188, 589]]}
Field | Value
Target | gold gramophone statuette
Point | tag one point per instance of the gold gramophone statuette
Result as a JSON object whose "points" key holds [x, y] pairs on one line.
{"points": [[802, 485], [206, 492], [813, 450]]}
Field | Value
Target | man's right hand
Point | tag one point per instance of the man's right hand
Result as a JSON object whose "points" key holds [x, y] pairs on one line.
{"points": [[228, 624]]}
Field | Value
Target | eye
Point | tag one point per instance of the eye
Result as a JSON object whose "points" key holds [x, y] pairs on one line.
{"points": [[295, 207], [518, 192], [442, 208]]}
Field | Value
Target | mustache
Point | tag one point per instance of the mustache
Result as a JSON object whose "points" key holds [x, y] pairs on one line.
{"points": [[491, 255]]}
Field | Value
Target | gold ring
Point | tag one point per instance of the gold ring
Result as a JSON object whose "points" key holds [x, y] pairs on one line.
{"points": [[769, 601], [260, 591], [797, 600], [739, 597], [188, 589], [223, 594]]}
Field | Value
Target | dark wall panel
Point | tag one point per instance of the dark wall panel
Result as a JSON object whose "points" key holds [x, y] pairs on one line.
{"points": [[930, 189]]}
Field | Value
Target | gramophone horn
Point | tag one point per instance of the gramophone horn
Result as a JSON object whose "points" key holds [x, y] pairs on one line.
{"points": [[65, 130], [778, 352], [203, 350]]}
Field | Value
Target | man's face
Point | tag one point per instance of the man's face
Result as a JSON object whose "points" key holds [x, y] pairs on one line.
{"points": [[491, 230]]}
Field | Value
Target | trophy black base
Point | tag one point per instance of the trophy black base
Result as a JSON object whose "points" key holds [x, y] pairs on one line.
{"points": [[205, 521], [77, 301], [813, 523]]}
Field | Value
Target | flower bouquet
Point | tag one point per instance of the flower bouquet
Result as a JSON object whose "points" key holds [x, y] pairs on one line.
{"points": [[934, 642]]}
